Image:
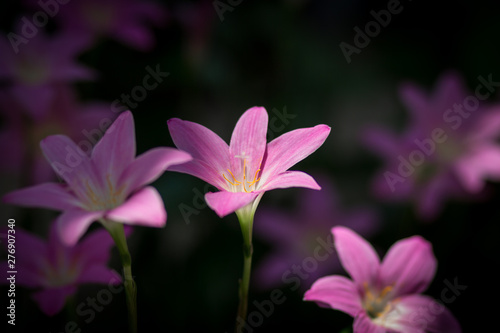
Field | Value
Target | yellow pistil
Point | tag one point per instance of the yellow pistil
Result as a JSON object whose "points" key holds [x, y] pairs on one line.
{"points": [[377, 304], [237, 182]]}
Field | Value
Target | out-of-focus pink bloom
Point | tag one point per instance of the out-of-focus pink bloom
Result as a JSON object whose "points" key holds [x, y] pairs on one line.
{"points": [[41, 62], [21, 135], [123, 20], [384, 296], [302, 237], [109, 184], [447, 151], [57, 270], [249, 166]]}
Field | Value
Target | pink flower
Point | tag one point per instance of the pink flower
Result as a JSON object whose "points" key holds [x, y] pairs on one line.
{"points": [[448, 151], [82, 123], [40, 63], [384, 296], [123, 20], [249, 166], [57, 270], [301, 237], [109, 184]]}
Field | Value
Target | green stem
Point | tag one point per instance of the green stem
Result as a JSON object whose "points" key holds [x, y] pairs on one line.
{"points": [[246, 223], [118, 234]]}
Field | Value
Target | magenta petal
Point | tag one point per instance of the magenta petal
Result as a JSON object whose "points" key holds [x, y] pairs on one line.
{"points": [[338, 292], [292, 147], [291, 179], [419, 313], [47, 195], [248, 140], [210, 153], [224, 202], [356, 255], [72, 224], [99, 274], [95, 248], [69, 161], [409, 266], [143, 208], [481, 164], [363, 324], [51, 301], [116, 149], [149, 166]]}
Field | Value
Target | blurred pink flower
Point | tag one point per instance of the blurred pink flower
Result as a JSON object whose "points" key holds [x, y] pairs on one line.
{"points": [[21, 135], [384, 296], [110, 184], [123, 20], [57, 270], [302, 237], [249, 166], [40, 63], [448, 150]]}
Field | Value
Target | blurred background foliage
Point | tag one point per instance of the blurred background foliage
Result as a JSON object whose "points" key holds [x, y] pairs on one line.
{"points": [[283, 55]]}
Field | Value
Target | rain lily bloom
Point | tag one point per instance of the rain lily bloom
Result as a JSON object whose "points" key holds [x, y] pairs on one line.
{"points": [[123, 20], [384, 296], [302, 240], [85, 124], [40, 63], [249, 166], [448, 151], [108, 185], [57, 270]]}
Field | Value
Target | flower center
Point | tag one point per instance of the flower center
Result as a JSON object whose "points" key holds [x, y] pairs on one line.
{"points": [[109, 198], [61, 273], [245, 183], [31, 71], [377, 303]]}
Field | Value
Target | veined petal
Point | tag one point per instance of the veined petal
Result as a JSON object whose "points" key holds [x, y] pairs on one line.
{"points": [[72, 224], [47, 195], [224, 202], [338, 292], [149, 166], [143, 208], [210, 153], [418, 314], [69, 161], [51, 301], [116, 149], [248, 141], [356, 255], [291, 148], [291, 179], [409, 266]]}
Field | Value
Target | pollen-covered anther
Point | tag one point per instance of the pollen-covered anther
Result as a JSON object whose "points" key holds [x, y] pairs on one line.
{"points": [[236, 182]]}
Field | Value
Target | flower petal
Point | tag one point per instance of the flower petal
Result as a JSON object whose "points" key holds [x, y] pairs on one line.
{"points": [[51, 301], [95, 248], [363, 324], [248, 141], [224, 202], [475, 168], [149, 166], [409, 266], [418, 313], [338, 292], [47, 195], [356, 255], [145, 207], [210, 153], [72, 224], [116, 149], [291, 179], [290, 148], [69, 161]]}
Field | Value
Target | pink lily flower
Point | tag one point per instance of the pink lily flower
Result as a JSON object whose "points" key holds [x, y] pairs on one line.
{"points": [[249, 166], [109, 184], [57, 270], [449, 150], [384, 296], [40, 63], [123, 20]]}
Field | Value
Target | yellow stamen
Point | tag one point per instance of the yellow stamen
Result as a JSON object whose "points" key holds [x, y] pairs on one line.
{"points": [[245, 181]]}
